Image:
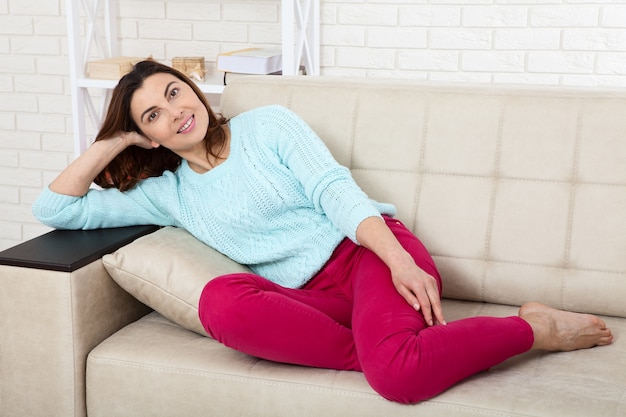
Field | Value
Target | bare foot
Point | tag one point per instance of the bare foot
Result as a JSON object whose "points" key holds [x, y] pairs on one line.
{"points": [[558, 330]]}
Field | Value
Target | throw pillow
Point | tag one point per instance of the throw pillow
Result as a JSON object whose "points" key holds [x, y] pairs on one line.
{"points": [[167, 270]]}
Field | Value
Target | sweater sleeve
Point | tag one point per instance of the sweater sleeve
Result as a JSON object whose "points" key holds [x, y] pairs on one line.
{"points": [[99, 209], [327, 184]]}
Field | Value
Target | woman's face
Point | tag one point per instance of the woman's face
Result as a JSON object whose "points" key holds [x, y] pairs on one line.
{"points": [[170, 114]]}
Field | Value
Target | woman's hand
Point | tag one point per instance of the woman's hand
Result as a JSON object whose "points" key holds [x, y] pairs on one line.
{"points": [[134, 138], [76, 179], [418, 288]]}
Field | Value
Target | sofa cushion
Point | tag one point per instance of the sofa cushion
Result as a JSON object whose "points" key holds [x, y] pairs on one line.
{"points": [[154, 368], [167, 271]]}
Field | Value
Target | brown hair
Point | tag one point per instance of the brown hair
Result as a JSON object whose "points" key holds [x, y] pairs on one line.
{"points": [[135, 163]]}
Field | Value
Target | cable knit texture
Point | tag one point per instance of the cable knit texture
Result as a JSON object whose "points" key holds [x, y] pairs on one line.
{"points": [[280, 203]]}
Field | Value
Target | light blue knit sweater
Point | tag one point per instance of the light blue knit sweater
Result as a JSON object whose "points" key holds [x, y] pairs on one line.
{"points": [[280, 203]]}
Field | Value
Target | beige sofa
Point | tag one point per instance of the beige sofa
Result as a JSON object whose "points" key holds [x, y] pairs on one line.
{"points": [[520, 194]]}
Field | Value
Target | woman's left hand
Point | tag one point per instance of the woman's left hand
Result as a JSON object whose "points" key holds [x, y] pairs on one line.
{"points": [[419, 289]]}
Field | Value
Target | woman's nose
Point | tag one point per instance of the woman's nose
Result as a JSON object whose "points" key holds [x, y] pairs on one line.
{"points": [[176, 112]]}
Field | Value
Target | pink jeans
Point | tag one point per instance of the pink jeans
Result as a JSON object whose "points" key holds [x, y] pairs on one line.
{"points": [[350, 317]]}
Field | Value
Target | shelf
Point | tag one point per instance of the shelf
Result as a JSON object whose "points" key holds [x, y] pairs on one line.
{"points": [[300, 21], [213, 84]]}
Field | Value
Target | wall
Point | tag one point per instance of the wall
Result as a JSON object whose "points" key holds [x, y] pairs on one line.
{"points": [[552, 42], [503, 41]]}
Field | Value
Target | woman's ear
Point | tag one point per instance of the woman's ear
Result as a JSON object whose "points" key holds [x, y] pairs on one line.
{"points": [[154, 144]]}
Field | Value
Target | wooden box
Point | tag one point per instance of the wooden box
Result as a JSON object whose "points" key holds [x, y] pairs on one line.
{"points": [[192, 66], [111, 68]]}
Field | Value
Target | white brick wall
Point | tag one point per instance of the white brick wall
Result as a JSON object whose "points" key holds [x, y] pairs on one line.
{"points": [[553, 42]]}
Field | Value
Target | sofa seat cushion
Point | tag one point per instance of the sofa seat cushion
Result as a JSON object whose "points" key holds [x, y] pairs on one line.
{"points": [[155, 367]]}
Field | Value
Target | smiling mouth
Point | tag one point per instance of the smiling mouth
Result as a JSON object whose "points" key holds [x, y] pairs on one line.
{"points": [[186, 126]]}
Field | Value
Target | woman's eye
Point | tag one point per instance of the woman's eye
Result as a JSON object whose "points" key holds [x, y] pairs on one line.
{"points": [[152, 116], [174, 92]]}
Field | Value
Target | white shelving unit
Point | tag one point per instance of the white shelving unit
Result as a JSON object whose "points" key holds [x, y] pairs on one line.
{"points": [[300, 47]]}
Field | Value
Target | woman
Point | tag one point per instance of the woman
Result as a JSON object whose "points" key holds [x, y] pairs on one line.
{"points": [[338, 283]]}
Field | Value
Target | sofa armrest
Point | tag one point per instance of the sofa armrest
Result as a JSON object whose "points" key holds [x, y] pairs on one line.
{"points": [[57, 302]]}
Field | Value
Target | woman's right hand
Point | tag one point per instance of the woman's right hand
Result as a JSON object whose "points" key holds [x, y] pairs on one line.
{"points": [[76, 179], [137, 139]]}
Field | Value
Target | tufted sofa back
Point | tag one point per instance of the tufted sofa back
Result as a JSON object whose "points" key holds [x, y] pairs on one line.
{"points": [[519, 193]]}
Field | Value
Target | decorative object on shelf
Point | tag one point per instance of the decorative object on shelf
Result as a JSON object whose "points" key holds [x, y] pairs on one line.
{"points": [[251, 61], [192, 66], [111, 68]]}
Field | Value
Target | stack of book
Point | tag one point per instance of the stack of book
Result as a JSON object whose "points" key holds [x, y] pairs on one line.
{"points": [[261, 61]]}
